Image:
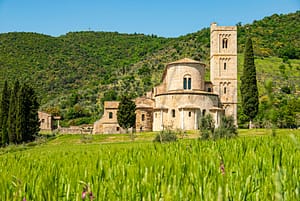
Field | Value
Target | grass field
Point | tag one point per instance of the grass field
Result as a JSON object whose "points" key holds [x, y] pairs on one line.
{"points": [[273, 68], [253, 166]]}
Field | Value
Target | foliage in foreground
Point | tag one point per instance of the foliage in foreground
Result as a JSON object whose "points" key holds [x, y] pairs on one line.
{"points": [[165, 136], [226, 129], [258, 168]]}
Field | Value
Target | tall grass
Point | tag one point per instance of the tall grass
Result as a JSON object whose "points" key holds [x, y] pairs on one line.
{"points": [[258, 168]]}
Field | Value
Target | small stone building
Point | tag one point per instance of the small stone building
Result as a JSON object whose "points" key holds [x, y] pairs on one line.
{"points": [[183, 95], [109, 123], [46, 123]]}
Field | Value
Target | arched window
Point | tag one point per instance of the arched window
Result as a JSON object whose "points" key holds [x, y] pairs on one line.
{"points": [[203, 112], [225, 65], [187, 82], [224, 42], [143, 117], [225, 90], [110, 115]]}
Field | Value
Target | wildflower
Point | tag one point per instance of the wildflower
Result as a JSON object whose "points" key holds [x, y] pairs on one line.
{"points": [[91, 196], [83, 195], [24, 199], [222, 167], [84, 191]]}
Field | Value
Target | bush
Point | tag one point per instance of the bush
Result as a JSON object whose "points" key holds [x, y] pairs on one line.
{"points": [[206, 126], [226, 129], [165, 136]]}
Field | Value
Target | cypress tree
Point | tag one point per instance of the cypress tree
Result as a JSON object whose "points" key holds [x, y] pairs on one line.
{"points": [[4, 114], [13, 104], [126, 113], [21, 114], [249, 91], [33, 125], [27, 121]]}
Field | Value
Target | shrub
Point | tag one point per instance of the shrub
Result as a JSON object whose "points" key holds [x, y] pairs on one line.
{"points": [[165, 136], [226, 129], [206, 126]]}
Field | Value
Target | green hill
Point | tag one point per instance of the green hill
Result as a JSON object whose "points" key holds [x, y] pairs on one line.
{"points": [[74, 73]]}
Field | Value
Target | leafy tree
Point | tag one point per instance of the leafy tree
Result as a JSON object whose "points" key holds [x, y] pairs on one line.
{"points": [[4, 114], [249, 91], [126, 113], [13, 104], [109, 95]]}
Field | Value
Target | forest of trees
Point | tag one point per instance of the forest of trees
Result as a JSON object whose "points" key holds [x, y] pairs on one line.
{"points": [[74, 74], [19, 120]]}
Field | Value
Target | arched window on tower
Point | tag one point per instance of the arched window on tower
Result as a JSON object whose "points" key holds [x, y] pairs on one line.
{"points": [[225, 90], [225, 65], [224, 43]]}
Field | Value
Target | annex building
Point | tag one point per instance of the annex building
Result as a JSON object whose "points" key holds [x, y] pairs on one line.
{"points": [[183, 95]]}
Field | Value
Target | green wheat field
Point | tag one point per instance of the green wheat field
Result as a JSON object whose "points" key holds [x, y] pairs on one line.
{"points": [[249, 167]]}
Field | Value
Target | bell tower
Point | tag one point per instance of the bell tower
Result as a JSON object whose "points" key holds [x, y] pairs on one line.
{"points": [[223, 66]]}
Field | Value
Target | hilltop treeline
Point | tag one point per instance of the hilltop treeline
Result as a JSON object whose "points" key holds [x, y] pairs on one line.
{"points": [[74, 74]]}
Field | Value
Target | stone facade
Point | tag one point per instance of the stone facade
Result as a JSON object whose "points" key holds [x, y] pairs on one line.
{"points": [[223, 66], [183, 95], [108, 123], [46, 123], [144, 113]]}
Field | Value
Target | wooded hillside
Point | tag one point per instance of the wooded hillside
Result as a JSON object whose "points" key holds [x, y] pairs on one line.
{"points": [[74, 73]]}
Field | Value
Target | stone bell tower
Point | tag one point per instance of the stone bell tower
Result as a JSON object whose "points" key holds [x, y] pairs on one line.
{"points": [[223, 66]]}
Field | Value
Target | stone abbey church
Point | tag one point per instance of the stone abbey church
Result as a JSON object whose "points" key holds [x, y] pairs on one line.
{"points": [[183, 95]]}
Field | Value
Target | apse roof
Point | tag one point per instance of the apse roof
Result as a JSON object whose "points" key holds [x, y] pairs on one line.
{"points": [[185, 60]]}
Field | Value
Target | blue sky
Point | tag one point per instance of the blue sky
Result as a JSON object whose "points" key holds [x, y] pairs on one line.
{"points": [[168, 18]]}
